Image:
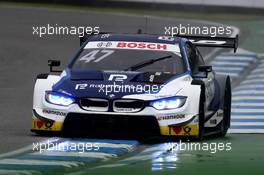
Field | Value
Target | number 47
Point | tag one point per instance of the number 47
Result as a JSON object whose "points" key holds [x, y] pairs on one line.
{"points": [[91, 56]]}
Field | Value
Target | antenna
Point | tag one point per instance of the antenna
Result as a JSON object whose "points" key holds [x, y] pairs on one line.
{"points": [[139, 31], [146, 24]]}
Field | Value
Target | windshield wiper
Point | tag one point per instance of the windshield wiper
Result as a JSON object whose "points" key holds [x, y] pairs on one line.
{"points": [[146, 63]]}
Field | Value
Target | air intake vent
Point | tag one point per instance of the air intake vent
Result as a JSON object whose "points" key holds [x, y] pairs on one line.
{"points": [[94, 104], [128, 105]]}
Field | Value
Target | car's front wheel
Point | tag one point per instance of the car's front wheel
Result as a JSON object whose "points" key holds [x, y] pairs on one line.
{"points": [[226, 107]]}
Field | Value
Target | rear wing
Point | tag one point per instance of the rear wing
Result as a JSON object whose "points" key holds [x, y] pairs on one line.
{"points": [[207, 41]]}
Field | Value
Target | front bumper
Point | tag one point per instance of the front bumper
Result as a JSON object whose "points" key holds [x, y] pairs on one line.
{"points": [[114, 124]]}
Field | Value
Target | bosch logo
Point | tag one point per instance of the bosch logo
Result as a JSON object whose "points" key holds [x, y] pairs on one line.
{"points": [[136, 45]]}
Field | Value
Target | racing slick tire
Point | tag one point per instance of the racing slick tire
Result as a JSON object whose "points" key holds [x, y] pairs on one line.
{"points": [[201, 120], [226, 107]]}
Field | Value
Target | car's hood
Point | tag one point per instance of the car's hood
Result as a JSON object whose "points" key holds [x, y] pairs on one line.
{"points": [[111, 84]]}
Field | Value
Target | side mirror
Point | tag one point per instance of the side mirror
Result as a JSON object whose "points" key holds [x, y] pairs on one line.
{"points": [[54, 63], [205, 69], [83, 39]]}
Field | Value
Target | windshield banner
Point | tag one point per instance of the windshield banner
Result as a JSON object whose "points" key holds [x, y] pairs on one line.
{"points": [[133, 45]]}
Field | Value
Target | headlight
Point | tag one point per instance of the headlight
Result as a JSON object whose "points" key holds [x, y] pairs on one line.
{"points": [[59, 98], [168, 103]]}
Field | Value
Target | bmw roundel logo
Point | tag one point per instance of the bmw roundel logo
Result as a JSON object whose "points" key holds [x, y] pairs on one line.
{"points": [[111, 96], [104, 44]]}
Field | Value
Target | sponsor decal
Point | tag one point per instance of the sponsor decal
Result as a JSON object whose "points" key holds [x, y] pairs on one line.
{"points": [[177, 130], [187, 130], [166, 38], [137, 45], [38, 124], [81, 86], [124, 109], [117, 77], [127, 45], [213, 121], [219, 113], [48, 111], [170, 117], [48, 125], [105, 35], [209, 42], [104, 44]]}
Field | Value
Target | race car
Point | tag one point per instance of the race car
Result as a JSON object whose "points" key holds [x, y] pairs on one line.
{"points": [[135, 85]]}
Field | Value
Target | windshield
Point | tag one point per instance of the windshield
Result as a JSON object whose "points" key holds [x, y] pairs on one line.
{"points": [[122, 59]]}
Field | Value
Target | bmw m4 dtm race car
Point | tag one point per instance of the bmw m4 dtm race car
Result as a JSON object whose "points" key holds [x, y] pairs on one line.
{"points": [[135, 84]]}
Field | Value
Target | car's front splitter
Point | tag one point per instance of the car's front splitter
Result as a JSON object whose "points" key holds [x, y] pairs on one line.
{"points": [[191, 128]]}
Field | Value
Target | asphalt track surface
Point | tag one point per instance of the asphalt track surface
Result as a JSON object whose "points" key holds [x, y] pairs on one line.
{"points": [[23, 56]]}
